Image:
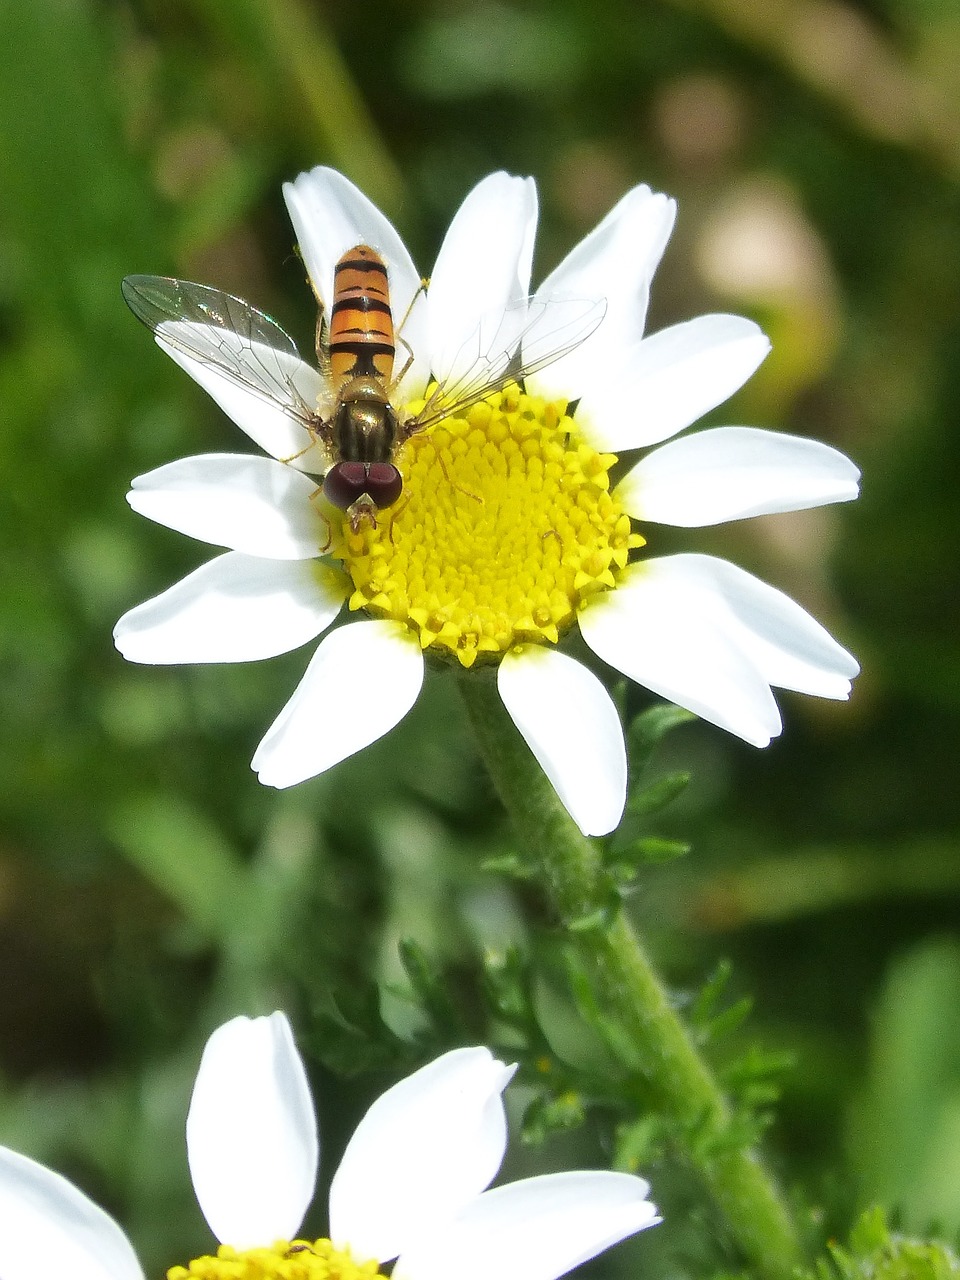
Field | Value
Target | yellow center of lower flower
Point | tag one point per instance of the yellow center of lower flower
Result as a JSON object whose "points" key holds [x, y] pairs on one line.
{"points": [[296, 1260], [506, 524]]}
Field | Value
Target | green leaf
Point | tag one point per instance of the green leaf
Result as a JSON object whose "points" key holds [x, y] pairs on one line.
{"points": [[606, 905], [753, 1079], [702, 1009], [659, 794], [870, 1231], [647, 851], [877, 1253], [650, 727], [731, 1018], [510, 864], [507, 983], [431, 988], [346, 1031], [598, 919]]}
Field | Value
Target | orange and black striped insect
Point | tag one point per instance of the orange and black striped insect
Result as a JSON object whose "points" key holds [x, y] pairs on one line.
{"points": [[364, 432], [355, 419]]}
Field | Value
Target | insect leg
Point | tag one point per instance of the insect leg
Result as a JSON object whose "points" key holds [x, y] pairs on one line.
{"points": [[421, 288], [320, 435], [322, 345], [459, 487], [329, 542], [398, 378], [294, 456], [393, 516]]}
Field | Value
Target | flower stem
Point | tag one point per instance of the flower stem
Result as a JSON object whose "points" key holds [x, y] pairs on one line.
{"points": [[629, 992]]}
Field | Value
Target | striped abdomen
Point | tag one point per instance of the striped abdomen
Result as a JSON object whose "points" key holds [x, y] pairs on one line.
{"points": [[361, 322]]}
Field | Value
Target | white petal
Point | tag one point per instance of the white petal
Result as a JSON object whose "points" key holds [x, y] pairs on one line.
{"points": [[49, 1230], [536, 1229], [236, 608], [616, 261], [669, 380], [734, 472], [251, 1133], [424, 1149], [664, 635], [789, 648], [330, 215], [570, 724], [362, 681], [482, 272], [264, 419], [246, 503]]}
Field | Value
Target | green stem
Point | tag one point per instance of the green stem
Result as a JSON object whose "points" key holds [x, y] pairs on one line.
{"points": [[289, 43], [628, 990]]}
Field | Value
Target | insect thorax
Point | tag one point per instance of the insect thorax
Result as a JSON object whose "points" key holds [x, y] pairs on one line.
{"points": [[365, 426]]}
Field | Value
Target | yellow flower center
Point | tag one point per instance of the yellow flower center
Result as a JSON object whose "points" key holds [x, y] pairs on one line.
{"points": [[505, 526], [296, 1260]]}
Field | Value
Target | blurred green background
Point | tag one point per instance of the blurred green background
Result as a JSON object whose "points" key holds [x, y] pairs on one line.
{"points": [[150, 888]]}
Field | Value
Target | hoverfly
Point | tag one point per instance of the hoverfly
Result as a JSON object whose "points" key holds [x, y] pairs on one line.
{"points": [[354, 420]]}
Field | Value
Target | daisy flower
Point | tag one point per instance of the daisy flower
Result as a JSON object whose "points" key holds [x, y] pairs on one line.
{"points": [[510, 531], [411, 1185]]}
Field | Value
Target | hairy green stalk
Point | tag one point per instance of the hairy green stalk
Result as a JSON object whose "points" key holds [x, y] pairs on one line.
{"points": [[628, 991]]}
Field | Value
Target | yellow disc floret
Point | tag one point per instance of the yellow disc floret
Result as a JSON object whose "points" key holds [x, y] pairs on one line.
{"points": [[506, 524], [285, 1260]]}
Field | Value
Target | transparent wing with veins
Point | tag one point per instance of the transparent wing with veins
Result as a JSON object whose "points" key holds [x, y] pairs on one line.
{"points": [[253, 353], [236, 339], [531, 335]]}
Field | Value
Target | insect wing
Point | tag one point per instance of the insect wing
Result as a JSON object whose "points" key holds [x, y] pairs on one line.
{"points": [[224, 332], [531, 335]]}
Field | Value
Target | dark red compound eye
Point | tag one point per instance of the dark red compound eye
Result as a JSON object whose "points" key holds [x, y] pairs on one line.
{"points": [[383, 483], [345, 482]]}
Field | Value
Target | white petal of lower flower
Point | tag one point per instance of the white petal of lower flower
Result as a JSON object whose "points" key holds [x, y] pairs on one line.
{"points": [[569, 722], [669, 637], [537, 1229], [481, 276], [49, 1230], [236, 608], [286, 380], [788, 647], [362, 681], [424, 1149], [670, 380], [731, 473], [616, 261], [243, 502], [251, 1133]]}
